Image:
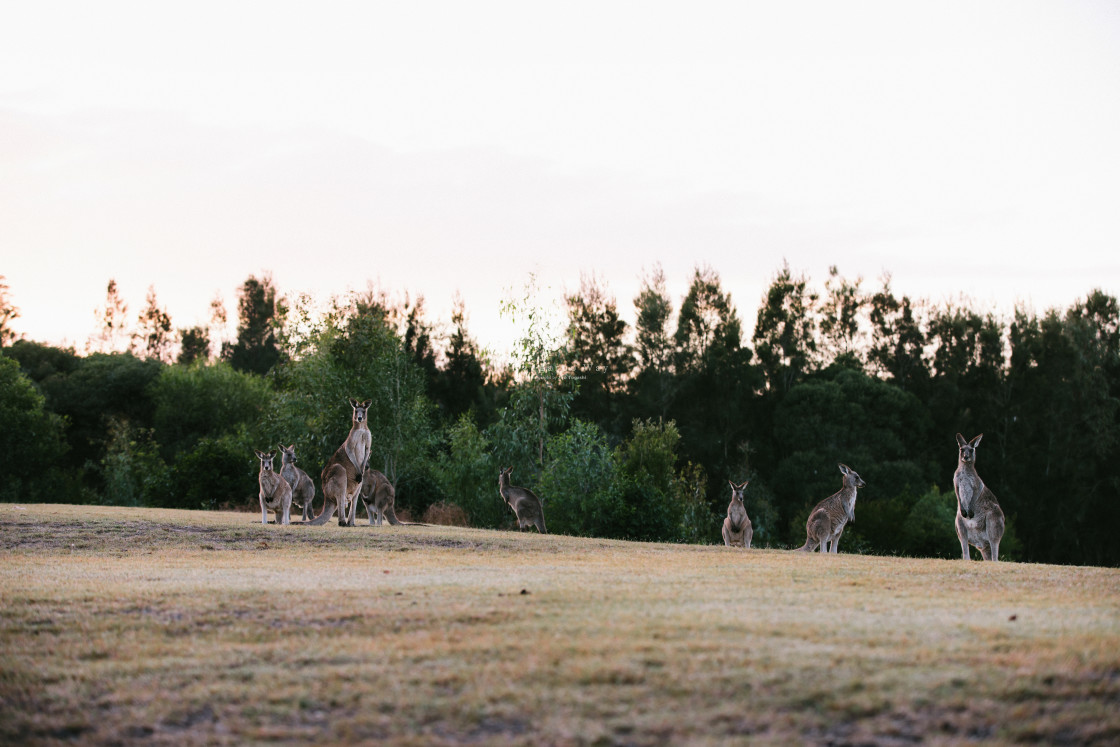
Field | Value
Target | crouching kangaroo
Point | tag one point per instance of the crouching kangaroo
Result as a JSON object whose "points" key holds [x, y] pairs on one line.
{"points": [[276, 494], [828, 518], [737, 529], [380, 499], [525, 504], [980, 520], [342, 477], [303, 490]]}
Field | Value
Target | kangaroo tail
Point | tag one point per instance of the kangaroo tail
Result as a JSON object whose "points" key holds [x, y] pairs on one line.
{"points": [[807, 547], [391, 516], [329, 508]]}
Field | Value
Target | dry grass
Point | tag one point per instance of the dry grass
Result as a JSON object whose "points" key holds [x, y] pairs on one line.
{"points": [[127, 625]]}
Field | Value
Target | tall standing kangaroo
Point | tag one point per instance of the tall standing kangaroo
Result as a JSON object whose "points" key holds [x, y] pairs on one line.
{"points": [[828, 518], [980, 520], [525, 504], [737, 529], [275, 494], [303, 490], [342, 477]]}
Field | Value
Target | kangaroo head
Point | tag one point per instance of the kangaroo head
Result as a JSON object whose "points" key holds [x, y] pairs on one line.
{"points": [[266, 459], [737, 490], [851, 479], [968, 448], [360, 409], [287, 454]]}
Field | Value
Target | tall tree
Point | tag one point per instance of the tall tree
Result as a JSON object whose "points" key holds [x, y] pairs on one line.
{"points": [[152, 338], [194, 345], [8, 313], [785, 334], [111, 334], [897, 340], [596, 353], [260, 314], [460, 385], [1064, 434], [843, 323], [652, 385], [707, 322]]}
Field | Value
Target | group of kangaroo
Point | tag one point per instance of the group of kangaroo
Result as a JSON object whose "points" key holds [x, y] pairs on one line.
{"points": [[979, 521], [346, 479]]}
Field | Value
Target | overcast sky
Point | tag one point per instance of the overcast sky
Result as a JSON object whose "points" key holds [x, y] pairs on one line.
{"points": [[441, 148]]}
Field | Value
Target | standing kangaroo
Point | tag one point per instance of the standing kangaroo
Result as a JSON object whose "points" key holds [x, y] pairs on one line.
{"points": [[525, 504], [303, 490], [342, 477], [980, 520], [828, 518], [276, 494], [737, 529]]}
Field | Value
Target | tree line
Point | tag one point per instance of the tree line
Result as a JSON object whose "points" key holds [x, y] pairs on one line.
{"points": [[625, 430]]}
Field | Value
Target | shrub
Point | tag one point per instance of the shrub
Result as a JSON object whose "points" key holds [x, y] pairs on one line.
{"points": [[446, 514]]}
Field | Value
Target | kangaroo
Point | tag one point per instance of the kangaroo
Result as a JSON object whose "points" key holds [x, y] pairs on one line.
{"points": [[980, 520], [276, 494], [828, 518], [303, 490], [737, 529], [342, 477], [525, 504]]}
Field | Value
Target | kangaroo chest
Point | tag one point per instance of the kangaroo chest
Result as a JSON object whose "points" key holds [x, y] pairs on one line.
{"points": [[738, 517], [969, 486]]}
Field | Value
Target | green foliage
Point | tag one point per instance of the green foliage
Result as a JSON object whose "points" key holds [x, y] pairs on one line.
{"points": [[32, 448], [218, 472], [646, 470], [698, 525], [132, 472], [579, 485], [193, 402], [467, 473], [260, 318]]}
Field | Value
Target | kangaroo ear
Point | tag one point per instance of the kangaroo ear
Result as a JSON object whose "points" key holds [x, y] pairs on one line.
{"points": [[367, 403], [259, 455], [844, 469], [733, 485], [976, 441], [961, 440]]}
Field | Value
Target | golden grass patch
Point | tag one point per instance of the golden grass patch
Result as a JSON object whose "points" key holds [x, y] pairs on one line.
{"points": [[123, 625]]}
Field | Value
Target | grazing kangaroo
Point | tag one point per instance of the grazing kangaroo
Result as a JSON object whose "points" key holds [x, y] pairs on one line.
{"points": [[342, 477], [828, 518], [737, 529], [276, 494], [303, 490], [525, 504], [980, 520]]}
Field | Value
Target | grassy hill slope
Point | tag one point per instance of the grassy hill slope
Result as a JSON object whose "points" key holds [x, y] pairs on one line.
{"points": [[129, 625]]}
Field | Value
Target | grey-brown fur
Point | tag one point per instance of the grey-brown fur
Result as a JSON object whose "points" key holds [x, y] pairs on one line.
{"points": [[737, 529], [828, 518], [526, 506], [342, 476], [379, 498], [303, 490], [275, 493], [980, 521]]}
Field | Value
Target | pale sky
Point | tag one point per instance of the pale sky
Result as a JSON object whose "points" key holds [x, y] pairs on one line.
{"points": [[440, 147]]}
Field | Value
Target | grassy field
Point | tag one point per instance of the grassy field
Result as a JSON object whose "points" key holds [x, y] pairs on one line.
{"points": [[136, 625]]}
